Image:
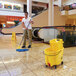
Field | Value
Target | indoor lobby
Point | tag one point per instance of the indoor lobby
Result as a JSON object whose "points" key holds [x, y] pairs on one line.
{"points": [[52, 51]]}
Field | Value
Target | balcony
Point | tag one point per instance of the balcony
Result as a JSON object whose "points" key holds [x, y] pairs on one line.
{"points": [[64, 13], [11, 13], [69, 12]]}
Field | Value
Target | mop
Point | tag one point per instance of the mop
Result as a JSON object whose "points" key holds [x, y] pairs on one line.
{"points": [[19, 49]]}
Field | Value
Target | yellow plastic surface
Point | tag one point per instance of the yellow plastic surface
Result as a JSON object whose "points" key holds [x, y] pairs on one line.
{"points": [[56, 44], [52, 57], [13, 36], [54, 54]]}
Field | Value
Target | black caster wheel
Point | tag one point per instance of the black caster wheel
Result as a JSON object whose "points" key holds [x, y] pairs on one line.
{"points": [[55, 66], [46, 66], [62, 63]]}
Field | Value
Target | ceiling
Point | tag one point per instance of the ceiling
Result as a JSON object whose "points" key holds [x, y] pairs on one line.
{"points": [[47, 1]]}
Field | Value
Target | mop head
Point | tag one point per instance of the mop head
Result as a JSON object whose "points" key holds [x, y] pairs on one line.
{"points": [[19, 49], [22, 50]]}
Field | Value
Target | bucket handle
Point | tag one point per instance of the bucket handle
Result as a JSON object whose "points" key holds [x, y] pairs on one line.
{"points": [[53, 55]]}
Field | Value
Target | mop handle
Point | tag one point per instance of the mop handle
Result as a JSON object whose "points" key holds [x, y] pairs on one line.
{"points": [[22, 40], [28, 23]]}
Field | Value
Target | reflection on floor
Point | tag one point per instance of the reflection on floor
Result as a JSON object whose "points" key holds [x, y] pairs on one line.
{"points": [[13, 63]]}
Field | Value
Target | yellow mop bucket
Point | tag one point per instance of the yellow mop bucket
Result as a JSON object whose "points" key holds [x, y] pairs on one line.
{"points": [[53, 57], [56, 44]]}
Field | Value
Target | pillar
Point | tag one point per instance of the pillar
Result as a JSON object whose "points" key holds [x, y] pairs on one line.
{"points": [[29, 7], [51, 13]]}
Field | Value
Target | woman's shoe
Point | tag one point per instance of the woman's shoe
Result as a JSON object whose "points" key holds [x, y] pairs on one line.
{"points": [[23, 46], [29, 46]]}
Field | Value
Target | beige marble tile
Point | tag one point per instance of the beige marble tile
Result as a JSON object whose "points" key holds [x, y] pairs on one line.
{"points": [[35, 66], [41, 73], [17, 68], [4, 74], [3, 70], [19, 64], [45, 72], [28, 74]]}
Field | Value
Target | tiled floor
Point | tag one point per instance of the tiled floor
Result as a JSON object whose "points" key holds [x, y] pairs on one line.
{"points": [[13, 63]]}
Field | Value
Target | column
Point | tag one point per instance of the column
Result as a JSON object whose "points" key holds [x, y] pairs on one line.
{"points": [[51, 13], [29, 7]]}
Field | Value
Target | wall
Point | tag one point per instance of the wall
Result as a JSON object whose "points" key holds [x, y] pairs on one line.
{"points": [[42, 19], [59, 20], [17, 29], [71, 20]]}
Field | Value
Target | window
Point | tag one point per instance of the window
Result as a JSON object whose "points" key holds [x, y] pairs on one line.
{"points": [[16, 7], [7, 6]]}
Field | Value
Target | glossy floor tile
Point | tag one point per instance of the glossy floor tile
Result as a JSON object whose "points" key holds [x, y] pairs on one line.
{"points": [[32, 63]]}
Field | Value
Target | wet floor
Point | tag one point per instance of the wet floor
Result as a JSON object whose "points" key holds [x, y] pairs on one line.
{"points": [[32, 63]]}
